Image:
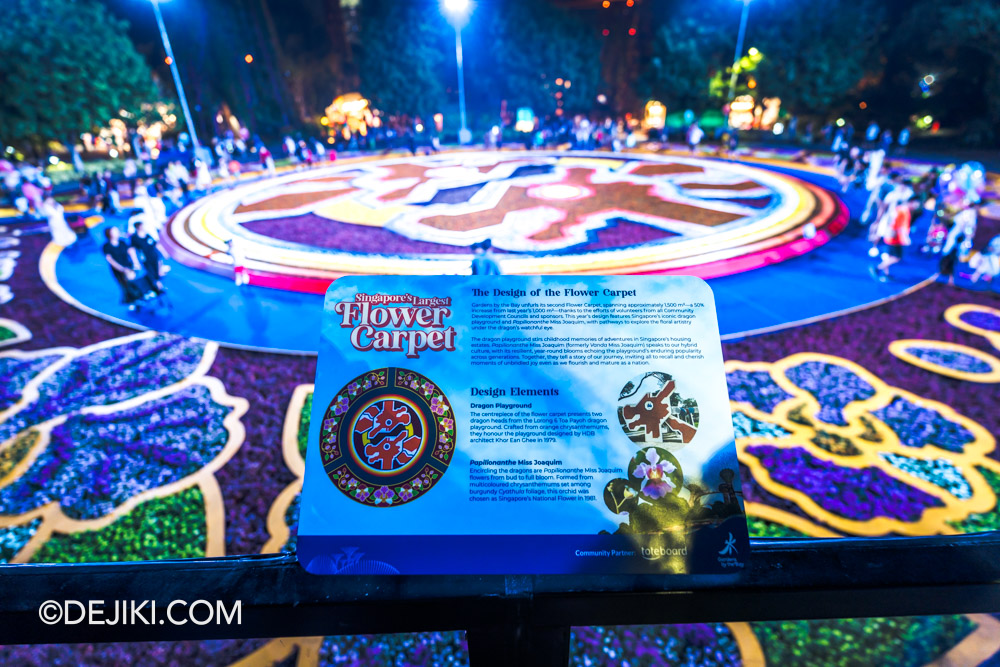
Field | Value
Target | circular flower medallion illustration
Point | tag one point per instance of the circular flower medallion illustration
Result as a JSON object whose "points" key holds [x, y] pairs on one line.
{"points": [[653, 412], [387, 437]]}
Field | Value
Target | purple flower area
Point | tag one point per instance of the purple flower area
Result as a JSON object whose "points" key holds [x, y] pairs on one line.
{"points": [[384, 495], [363, 493], [951, 359], [833, 386], [702, 644], [757, 388], [352, 388], [95, 463], [982, 319], [653, 473], [405, 494], [447, 424], [341, 405], [110, 375], [918, 426], [438, 405], [858, 494], [318, 232], [16, 373], [215, 652], [424, 649], [428, 388]]}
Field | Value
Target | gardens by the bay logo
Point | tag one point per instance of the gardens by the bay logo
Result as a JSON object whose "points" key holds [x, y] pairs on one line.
{"points": [[376, 321], [387, 437]]}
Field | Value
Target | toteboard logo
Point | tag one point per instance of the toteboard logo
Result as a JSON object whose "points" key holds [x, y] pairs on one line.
{"points": [[387, 437]]}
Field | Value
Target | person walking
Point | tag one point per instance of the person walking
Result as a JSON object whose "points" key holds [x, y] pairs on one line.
{"points": [[896, 238], [151, 255], [987, 262], [872, 133], [694, 136], [958, 240], [879, 184], [483, 263], [886, 140], [58, 227], [124, 263], [129, 173], [903, 140], [236, 252]]}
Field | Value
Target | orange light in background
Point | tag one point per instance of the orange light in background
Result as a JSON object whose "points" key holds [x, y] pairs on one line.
{"points": [[752, 83], [568, 83], [248, 58], [559, 95], [605, 32], [324, 121], [606, 4], [559, 82], [863, 105], [631, 31], [168, 60], [629, 3]]}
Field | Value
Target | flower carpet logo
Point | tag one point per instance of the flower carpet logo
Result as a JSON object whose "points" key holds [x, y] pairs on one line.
{"points": [[387, 437], [88, 434], [855, 454]]}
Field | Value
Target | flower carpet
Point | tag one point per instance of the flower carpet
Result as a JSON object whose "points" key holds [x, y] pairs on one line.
{"points": [[117, 445]]}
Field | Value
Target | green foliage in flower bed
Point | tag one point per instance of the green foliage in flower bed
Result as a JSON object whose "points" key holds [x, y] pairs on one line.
{"points": [[861, 642], [303, 436], [764, 528], [292, 521], [12, 455], [987, 521], [171, 527]]}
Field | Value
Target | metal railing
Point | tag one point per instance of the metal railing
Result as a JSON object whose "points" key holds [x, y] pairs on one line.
{"points": [[518, 619]]}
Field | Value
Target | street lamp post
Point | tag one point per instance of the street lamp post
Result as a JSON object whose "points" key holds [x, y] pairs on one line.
{"points": [[457, 12], [739, 49], [176, 75]]}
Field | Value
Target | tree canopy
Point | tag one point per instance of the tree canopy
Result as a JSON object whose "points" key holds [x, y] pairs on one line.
{"points": [[813, 61], [66, 67], [402, 50], [531, 45]]}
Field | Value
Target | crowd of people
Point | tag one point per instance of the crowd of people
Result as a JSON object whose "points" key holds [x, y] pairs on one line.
{"points": [[895, 200], [951, 196]]}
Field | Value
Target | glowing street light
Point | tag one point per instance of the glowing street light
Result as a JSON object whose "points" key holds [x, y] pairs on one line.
{"points": [[457, 12], [739, 48], [172, 61]]}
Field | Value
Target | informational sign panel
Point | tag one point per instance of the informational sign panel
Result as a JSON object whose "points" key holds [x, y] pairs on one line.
{"points": [[518, 425]]}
